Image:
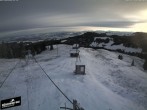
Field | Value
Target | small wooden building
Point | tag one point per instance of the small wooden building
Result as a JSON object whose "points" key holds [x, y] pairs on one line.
{"points": [[74, 53], [79, 68], [75, 46]]}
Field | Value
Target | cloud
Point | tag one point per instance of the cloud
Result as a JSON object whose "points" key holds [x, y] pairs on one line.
{"points": [[54, 13]]}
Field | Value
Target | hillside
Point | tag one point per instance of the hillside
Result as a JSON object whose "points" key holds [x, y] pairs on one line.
{"points": [[127, 43], [109, 83], [112, 41]]}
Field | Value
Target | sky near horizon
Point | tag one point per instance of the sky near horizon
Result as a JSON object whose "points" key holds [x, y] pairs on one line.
{"points": [[113, 15]]}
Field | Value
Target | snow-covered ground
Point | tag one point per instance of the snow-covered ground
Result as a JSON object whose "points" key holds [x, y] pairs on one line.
{"points": [[109, 83], [110, 45]]}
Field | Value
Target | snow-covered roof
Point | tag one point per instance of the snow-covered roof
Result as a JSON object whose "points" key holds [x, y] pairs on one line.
{"points": [[74, 51], [75, 45]]}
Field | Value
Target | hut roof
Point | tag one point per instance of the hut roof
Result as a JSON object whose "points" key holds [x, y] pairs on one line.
{"points": [[74, 51]]}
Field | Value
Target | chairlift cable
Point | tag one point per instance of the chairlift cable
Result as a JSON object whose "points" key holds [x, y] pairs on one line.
{"points": [[52, 81], [10, 73], [27, 87]]}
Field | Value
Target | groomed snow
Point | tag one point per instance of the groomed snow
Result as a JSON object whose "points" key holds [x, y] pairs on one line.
{"points": [[109, 83]]}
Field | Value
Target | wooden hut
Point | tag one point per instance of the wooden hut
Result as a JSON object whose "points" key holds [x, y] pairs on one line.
{"points": [[74, 53], [80, 68], [75, 46]]}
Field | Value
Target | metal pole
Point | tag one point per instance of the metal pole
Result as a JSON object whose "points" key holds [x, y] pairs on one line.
{"points": [[65, 106], [57, 49]]}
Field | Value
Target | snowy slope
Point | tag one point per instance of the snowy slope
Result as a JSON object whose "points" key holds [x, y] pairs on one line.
{"points": [[109, 83], [110, 45]]}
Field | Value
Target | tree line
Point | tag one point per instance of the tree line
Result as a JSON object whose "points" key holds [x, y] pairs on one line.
{"points": [[20, 49]]}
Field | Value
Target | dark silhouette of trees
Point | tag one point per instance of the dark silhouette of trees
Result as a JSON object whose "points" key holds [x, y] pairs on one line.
{"points": [[133, 63], [12, 50], [145, 65], [120, 57], [51, 47]]}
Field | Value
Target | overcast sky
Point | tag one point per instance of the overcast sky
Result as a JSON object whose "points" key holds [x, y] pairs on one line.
{"points": [[85, 14]]}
